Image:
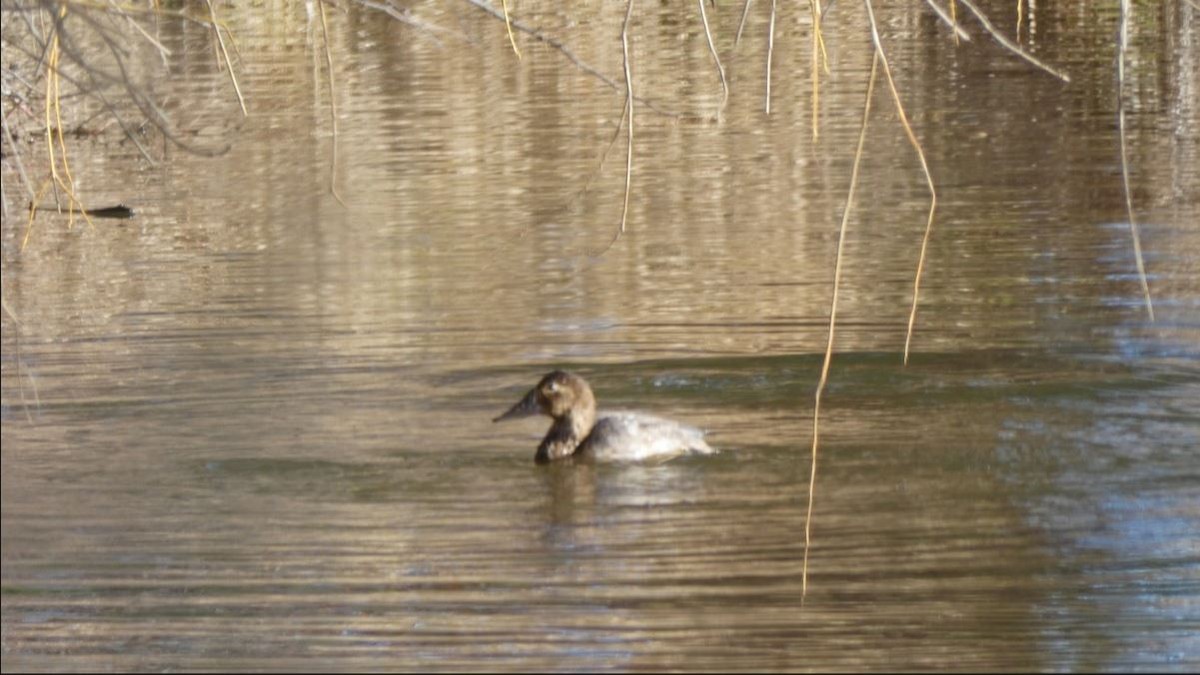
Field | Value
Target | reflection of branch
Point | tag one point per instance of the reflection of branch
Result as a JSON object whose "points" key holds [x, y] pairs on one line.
{"points": [[144, 103], [406, 16], [952, 22], [837, 281], [93, 79], [1009, 44], [1122, 44], [579, 63]]}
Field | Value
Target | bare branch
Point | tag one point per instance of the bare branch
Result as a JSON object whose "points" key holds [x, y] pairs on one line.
{"points": [[1009, 44], [1122, 45], [629, 131], [770, 52], [713, 50], [949, 20]]}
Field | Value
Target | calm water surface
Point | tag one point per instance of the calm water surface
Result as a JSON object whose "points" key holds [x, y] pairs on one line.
{"points": [[249, 429]]}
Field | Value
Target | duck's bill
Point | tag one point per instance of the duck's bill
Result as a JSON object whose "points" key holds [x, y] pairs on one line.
{"points": [[524, 408]]}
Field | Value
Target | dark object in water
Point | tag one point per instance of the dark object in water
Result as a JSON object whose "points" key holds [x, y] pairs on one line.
{"points": [[118, 211]]}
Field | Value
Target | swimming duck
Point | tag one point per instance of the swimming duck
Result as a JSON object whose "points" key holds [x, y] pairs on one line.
{"points": [[608, 437]]}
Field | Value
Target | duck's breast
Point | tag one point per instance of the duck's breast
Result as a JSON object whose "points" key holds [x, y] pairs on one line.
{"points": [[632, 437]]}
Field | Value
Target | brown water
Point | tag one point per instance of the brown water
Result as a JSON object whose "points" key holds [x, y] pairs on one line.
{"points": [[249, 429]]}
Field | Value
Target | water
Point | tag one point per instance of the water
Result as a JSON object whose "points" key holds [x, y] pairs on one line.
{"points": [[250, 429]]}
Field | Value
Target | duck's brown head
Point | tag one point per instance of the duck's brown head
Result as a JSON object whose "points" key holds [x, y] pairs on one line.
{"points": [[559, 395]]}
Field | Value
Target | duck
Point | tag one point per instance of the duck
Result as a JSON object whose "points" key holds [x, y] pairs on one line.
{"points": [[619, 436]]}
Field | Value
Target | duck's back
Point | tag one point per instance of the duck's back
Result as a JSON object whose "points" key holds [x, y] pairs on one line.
{"points": [[629, 437]]}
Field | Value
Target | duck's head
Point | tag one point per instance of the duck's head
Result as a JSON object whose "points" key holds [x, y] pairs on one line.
{"points": [[558, 395]]}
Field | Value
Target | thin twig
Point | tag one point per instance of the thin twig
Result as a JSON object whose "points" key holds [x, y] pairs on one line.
{"points": [[333, 116], [712, 48], [818, 53], [770, 52], [53, 102], [212, 13], [512, 39], [950, 19], [1020, 17], [629, 130], [1008, 44], [912, 138], [837, 281], [1123, 42], [741, 24]]}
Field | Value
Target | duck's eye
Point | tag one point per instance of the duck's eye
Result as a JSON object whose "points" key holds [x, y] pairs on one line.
{"points": [[551, 387]]}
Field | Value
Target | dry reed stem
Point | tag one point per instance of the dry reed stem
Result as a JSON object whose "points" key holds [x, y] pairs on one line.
{"points": [[912, 139], [770, 52], [1008, 44], [53, 102], [212, 13], [1020, 16], [333, 117], [953, 19], [712, 48], [818, 54], [741, 24], [512, 39], [1123, 42], [837, 281], [629, 131], [950, 19]]}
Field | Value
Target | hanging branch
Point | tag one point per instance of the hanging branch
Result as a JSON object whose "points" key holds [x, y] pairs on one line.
{"points": [[512, 39], [837, 282], [713, 50], [741, 24], [818, 56], [950, 19], [1122, 44], [770, 51], [212, 13], [333, 116], [629, 131], [912, 139], [1008, 44]]}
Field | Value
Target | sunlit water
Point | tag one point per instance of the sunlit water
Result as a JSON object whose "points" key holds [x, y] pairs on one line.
{"points": [[250, 428]]}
